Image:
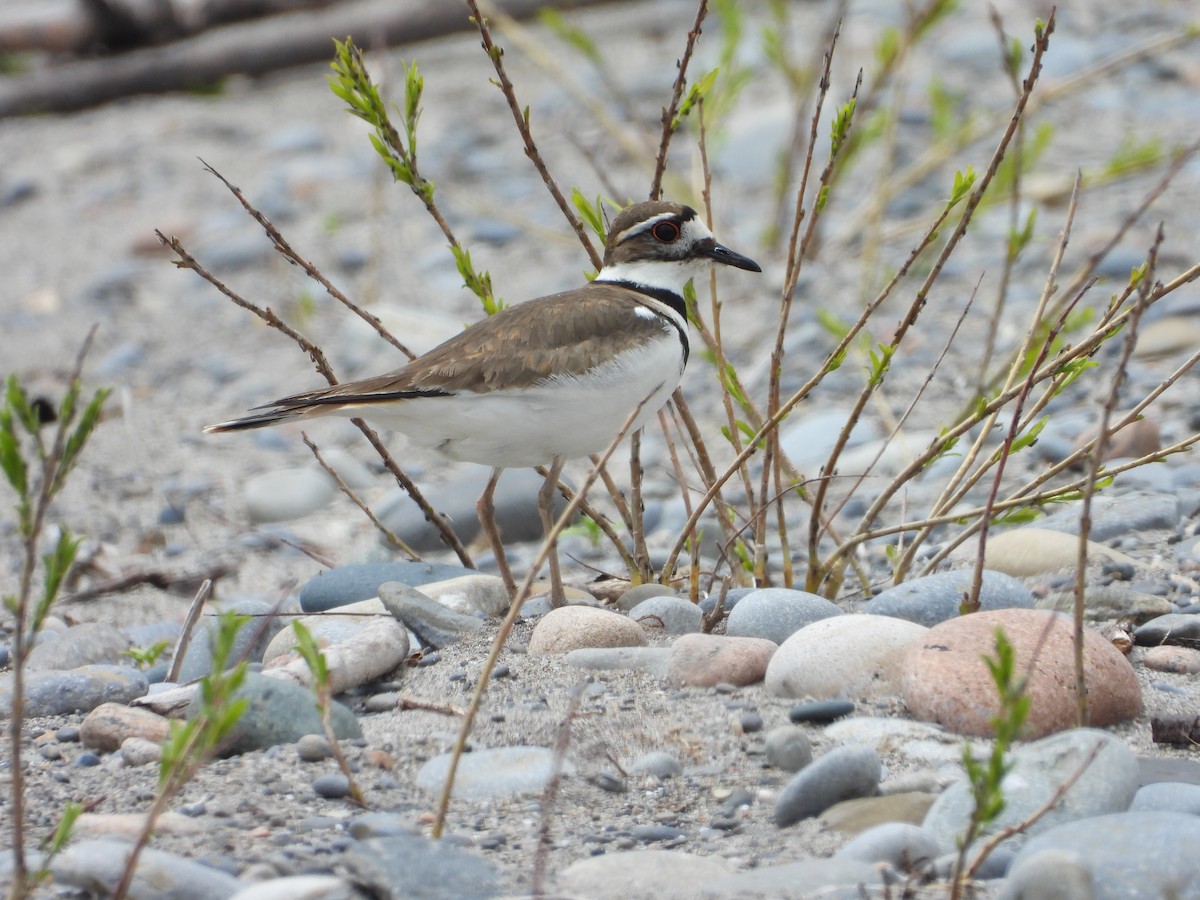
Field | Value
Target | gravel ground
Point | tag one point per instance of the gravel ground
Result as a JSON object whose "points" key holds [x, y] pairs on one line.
{"points": [[80, 196]]}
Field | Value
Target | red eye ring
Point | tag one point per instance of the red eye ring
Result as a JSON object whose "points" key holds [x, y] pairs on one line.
{"points": [[667, 232]]}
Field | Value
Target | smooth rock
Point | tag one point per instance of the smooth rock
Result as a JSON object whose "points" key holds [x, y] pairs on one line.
{"points": [[109, 725], [917, 740], [411, 867], [1180, 660], [863, 813], [137, 751], [516, 501], [251, 642], [651, 660], [703, 660], [1167, 796], [820, 712], [127, 826], [331, 786], [841, 774], [326, 629], [314, 748], [1107, 784], [936, 598], [667, 615], [945, 679], [285, 494], [1153, 769], [436, 625], [499, 772], [279, 712], [89, 643], [572, 627], [469, 594], [905, 847], [1175, 628], [842, 657], [298, 887], [75, 690], [361, 581], [1049, 875], [658, 763], [642, 592], [1036, 551], [666, 874], [1113, 516], [777, 613], [97, 866], [1129, 855], [377, 647], [810, 878], [1101, 603], [788, 747]]}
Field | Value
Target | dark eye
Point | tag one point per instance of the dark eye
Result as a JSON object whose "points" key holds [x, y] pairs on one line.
{"points": [[667, 232]]}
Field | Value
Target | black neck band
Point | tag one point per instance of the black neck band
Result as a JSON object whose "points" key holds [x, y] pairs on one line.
{"points": [[668, 298]]}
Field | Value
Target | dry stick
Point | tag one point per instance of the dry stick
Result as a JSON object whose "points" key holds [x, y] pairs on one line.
{"points": [[187, 261], [681, 480], [908, 410], [1005, 833], [1111, 322], [803, 96], [972, 600], [638, 148], [21, 640], [1014, 214], [972, 203], [669, 112], [725, 371], [1097, 460], [1025, 499], [637, 509], [281, 244], [157, 578], [391, 536], [596, 516], [938, 154], [495, 54], [510, 619], [550, 794], [189, 625]]}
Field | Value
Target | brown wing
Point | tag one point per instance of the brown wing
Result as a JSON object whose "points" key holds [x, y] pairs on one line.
{"points": [[518, 346]]}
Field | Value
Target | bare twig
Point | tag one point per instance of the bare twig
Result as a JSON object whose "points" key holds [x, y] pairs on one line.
{"points": [[521, 117], [672, 109], [185, 633]]}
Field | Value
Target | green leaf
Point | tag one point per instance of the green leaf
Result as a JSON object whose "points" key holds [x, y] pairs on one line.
{"points": [[576, 37], [12, 461], [57, 563], [16, 400], [695, 94], [79, 437], [962, 186], [840, 129]]}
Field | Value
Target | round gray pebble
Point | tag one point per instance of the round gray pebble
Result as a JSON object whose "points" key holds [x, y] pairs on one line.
{"points": [[788, 748], [332, 786]]}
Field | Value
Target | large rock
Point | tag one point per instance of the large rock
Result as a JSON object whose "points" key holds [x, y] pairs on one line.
{"points": [[1129, 855], [572, 627], [946, 680], [702, 660], [1035, 551], [936, 598], [1107, 781], [846, 656], [777, 613]]}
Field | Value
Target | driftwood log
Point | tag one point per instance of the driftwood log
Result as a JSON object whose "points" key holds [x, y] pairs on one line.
{"points": [[251, 48]]}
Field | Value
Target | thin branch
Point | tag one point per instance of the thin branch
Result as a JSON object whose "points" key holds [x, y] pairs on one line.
{"points": [[670, 111]]}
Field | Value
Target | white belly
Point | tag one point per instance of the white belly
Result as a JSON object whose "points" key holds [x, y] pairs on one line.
{"points": [[569, 417]]}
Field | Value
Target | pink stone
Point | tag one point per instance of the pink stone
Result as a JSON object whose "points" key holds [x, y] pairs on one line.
{"points": [[945, 680], [702, 660]]}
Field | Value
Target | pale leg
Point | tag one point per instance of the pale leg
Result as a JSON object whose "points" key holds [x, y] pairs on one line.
{"points": [[546, 508], [486, 510]]}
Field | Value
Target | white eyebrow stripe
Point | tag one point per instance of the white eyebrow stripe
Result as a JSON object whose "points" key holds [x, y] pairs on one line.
{"points": [[645, 224]]}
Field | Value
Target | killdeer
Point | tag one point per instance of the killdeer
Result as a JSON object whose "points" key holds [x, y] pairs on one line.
{"points": [[550, 379]]}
